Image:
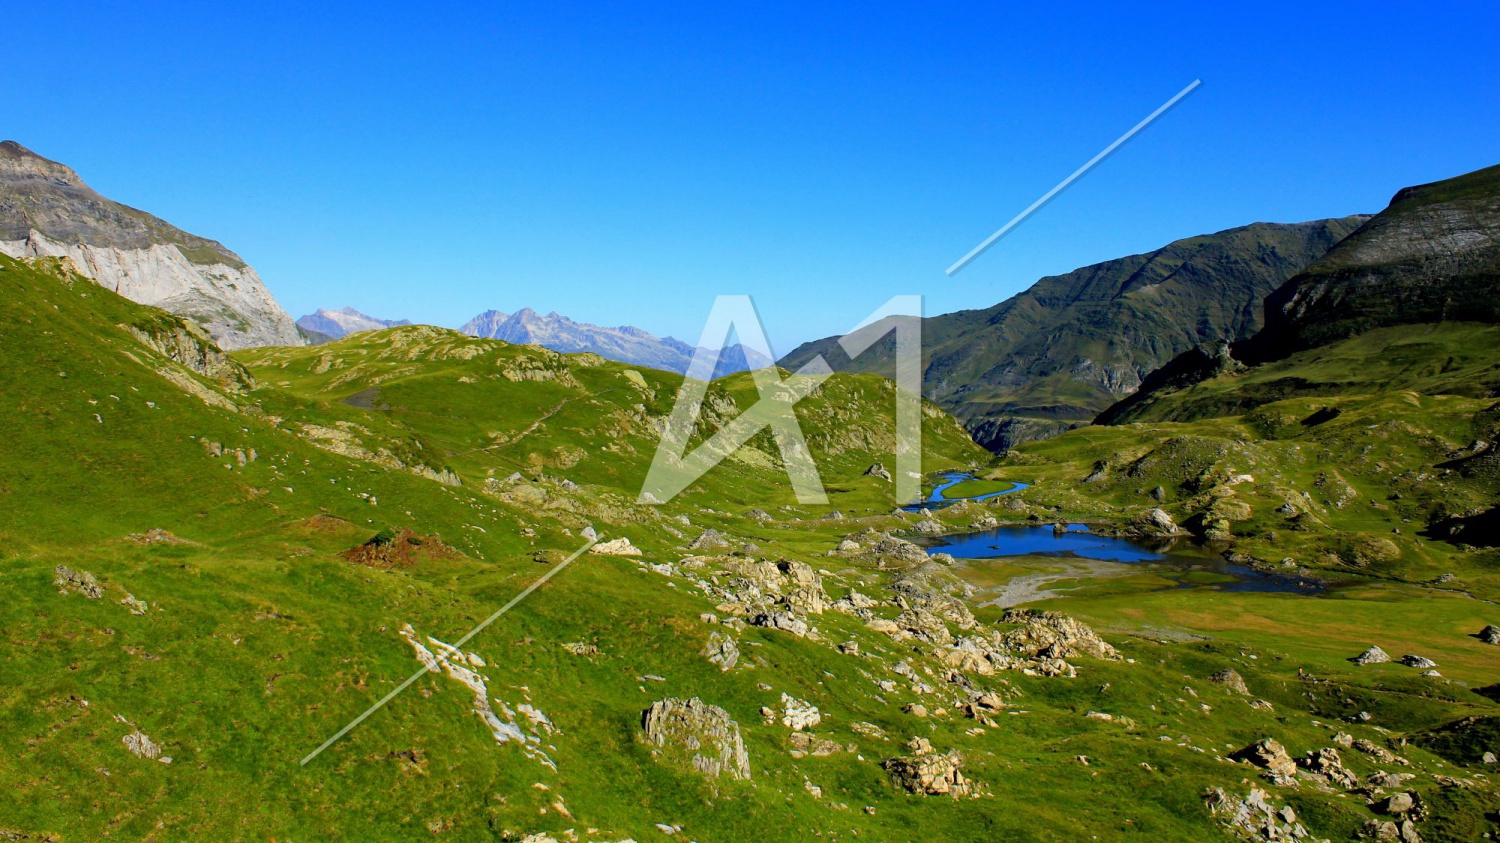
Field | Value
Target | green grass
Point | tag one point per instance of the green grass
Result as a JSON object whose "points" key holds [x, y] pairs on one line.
{"points": [[261, 641]]}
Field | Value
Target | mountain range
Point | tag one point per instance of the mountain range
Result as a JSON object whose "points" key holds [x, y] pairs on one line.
{"points": [[327, 325], [624, 344], [46, 210], [1053, 357]]}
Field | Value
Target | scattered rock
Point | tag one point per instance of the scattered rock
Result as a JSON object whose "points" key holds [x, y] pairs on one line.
{"points": [[704, 730], [1254, 816], [78, 582], [785, 621], [722, 651], [1374, 655], [136, 607], [581, 648]]}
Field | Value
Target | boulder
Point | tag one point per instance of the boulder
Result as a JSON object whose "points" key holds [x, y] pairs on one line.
{"points": [[878, 470], [709, 540], [615, 547], [1231, 679], [1374, 655], [1490, 634], [1156, 521], [141, 746], [1049, 635], [1269, 755], [1420, 662], [798, 714], [706, 731]]}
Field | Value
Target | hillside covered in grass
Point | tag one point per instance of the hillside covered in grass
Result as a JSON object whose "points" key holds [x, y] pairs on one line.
{"points": [[214, 563]]}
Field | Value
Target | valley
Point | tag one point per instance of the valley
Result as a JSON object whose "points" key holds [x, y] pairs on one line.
{"points": [[1258, 599]]}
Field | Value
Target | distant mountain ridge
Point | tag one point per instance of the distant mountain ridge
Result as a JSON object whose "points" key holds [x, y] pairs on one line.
{"points": [[344, 321], [46, 210], [625, 344], [1051, 358]]}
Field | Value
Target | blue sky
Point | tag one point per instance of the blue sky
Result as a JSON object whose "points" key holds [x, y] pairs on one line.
{"points": [[625, 165]]}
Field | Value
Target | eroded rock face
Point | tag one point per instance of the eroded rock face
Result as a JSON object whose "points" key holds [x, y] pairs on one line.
{"points": [[704, 730]]}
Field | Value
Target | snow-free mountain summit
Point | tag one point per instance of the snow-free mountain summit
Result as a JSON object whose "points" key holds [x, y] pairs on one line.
{"points": [[46, 210]]}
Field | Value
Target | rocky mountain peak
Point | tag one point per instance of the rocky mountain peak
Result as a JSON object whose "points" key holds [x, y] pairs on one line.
{"points": [[17, 160], [46, 210]]}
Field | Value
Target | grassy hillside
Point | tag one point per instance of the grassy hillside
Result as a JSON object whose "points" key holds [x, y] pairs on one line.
{"points": [[228, 501]]}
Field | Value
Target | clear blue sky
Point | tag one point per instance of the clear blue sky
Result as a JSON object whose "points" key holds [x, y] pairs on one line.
{"points": [[623, 166]]}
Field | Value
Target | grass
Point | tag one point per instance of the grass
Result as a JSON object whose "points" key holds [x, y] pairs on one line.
{"points": [[261, 641]]}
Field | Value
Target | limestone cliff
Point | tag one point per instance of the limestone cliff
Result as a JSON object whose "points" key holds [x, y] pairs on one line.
{"points": [[46, 210]]}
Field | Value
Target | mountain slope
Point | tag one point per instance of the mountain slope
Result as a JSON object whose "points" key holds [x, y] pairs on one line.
{"points": [[1054, 356], [625, 344], [1408, 301], [338, 323], [1433, 255], [47, 210]]}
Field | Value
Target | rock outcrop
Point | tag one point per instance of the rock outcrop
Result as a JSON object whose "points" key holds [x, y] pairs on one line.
{"points": [[706, 731], [46, 210], [1269, 755], [929, 773]]}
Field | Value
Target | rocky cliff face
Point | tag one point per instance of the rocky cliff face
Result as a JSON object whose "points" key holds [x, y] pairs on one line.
{"points": [[46, 210], [625, 344], [1432, 256]]}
